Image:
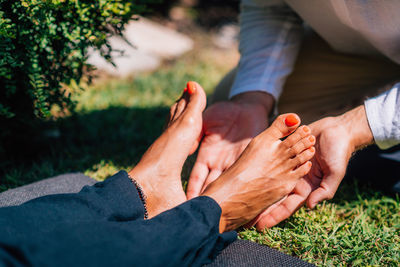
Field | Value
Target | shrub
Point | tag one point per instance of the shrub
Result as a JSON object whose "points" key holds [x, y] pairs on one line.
{"points": [[43, 47]]}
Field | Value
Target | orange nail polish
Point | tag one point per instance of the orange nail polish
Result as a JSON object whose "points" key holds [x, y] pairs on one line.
{"points": [[191, 87], [306, 129], [291, 120], [312, 149], [311, 138]]}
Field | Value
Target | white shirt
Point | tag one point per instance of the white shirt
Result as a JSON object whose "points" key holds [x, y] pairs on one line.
{"points": [[271, 34]]}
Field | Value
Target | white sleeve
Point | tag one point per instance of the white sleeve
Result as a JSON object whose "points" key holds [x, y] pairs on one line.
{"points": [[383, 113], [270, 38]]}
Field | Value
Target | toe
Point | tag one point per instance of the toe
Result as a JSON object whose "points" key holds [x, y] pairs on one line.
{"points": [[301, 145], [177, 108], [172, 112], [283, 125], [181, 105], [191, 103], [303, 169], [294, 138], [196, 97], [303, 157]]}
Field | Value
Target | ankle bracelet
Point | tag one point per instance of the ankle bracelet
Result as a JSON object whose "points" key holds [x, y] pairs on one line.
{"points": [[142, 196]]}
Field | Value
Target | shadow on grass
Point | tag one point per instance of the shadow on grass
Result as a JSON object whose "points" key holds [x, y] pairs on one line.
{"points": [[116, 136]]}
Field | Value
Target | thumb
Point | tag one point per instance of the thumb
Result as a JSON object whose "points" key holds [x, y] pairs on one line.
{"points": [[326, 190]]}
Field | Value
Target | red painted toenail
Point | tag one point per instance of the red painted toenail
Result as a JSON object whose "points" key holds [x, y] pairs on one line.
{"points": [[191, 86], [185, 89], [291, 120]]}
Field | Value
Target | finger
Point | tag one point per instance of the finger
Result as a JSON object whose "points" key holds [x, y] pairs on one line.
{"points": [[287, 207], [259, 216], [326, 190], [283, 211], [197, 178], [212, 176]]}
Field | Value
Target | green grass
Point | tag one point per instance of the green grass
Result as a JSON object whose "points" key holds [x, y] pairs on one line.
{"points": [[117, 120], [359, 231]]}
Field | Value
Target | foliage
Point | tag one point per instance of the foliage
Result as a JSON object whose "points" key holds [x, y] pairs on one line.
{"points": [[43, 47]]}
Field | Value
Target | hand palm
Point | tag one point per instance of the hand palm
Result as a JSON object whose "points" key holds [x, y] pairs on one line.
{"points": [[228, 128]]}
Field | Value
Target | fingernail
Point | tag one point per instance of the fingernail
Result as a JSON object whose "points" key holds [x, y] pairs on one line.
{"points": [[191, 87], [311, 138], [306, 129], [291, 120]]}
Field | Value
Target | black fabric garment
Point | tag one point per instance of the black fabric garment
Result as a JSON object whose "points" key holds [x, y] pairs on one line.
{"points": [[103, 225]]}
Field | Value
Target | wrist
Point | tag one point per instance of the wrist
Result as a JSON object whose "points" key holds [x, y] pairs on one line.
{"points": [[263, 100], [357, 125]]}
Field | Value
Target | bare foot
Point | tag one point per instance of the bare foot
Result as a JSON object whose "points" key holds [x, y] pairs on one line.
{"points": [[159, 170], [266, 172]]}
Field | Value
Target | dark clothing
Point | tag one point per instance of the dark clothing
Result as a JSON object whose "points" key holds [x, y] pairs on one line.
{"points": [[103, 225]]}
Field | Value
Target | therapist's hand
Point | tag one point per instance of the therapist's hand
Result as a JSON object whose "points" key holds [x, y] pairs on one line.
{"points": [[336, 140], [228, 128]]}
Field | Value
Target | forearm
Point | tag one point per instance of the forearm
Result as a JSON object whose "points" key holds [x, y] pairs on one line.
{"points": [[270, 38]]}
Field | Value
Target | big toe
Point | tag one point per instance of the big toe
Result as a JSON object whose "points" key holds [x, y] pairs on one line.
{"points": [[196, 98], [192, 102], [283, 125], [187, 114]]}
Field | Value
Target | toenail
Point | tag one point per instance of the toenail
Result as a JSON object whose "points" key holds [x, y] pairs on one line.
{"points": [[306, 129], [312, 149], [291, 120], [185, 89], [191, 87], [311, 138]]}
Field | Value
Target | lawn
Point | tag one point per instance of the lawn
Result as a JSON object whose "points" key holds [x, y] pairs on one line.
{"points": [[117, 119]]}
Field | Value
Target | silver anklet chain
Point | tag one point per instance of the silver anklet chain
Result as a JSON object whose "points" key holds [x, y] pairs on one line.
{"points": [[142, 196]]}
